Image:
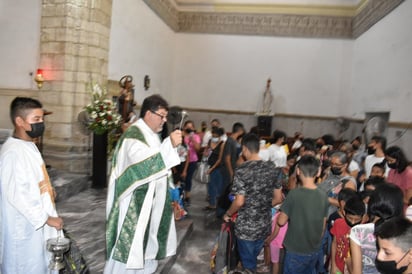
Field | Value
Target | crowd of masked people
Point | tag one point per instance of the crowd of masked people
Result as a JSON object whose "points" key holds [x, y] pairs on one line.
{"points": [[311, 205]]}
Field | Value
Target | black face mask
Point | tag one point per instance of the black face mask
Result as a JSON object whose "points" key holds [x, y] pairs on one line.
{"points": [[336, 170], [188, 130], [351, 224], [393, 165], [371, 150], [389, 267], [37, 130], [355, 147]]}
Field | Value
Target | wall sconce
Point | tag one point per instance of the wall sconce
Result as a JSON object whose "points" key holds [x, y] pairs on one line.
{"points": [[39, 79], [146, 82]]}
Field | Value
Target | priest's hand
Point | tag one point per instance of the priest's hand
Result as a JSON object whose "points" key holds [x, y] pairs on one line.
{"points": [[55, 222], [176, 137]]}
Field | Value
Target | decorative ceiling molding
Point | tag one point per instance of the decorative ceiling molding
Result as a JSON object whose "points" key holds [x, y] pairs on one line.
{"points": [[281, 7], [373, 12], [278, 22], [167, 11], [267, 25]]}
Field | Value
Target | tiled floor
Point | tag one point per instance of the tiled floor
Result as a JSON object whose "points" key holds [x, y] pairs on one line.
{"points": [[84, 218]]}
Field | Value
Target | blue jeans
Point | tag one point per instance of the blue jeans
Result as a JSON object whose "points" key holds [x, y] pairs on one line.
{"points": [[295, 263], [189, 174], [325, 252], [215, 186], [248, 252]]}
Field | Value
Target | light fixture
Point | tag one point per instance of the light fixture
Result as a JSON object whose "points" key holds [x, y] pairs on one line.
{"points": [[146, 82], [39, 79]]}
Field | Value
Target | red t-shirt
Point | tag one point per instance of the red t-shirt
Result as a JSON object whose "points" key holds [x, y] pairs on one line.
{"points": [[340, 230]]}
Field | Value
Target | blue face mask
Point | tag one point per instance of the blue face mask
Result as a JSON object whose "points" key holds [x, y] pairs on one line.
{"points": [[37, 130]]}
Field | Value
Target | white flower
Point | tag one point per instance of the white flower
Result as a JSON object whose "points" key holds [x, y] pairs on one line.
{"points": [[97, 90]]}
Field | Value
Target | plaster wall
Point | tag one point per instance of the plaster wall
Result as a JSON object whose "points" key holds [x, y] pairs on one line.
{"points": [[382, 67], [141, 44], [19, 52], [381, 74], [229, 72], [20, 40]]}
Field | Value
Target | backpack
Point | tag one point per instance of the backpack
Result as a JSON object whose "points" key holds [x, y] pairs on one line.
{"points": [[224, 256]]}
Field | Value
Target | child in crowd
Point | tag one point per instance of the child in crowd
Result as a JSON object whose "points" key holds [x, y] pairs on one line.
{"points": [[385, 202], [370, 185], [275, 240], [378, 170], [306, 209], [343, 196], [353, 212], [394, 246]]}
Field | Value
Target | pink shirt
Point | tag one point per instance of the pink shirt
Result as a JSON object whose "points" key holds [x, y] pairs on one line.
{"points": [[402, 180], [190, 142], [278, 241]]}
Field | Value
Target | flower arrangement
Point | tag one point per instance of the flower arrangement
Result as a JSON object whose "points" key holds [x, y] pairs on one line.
{"points": [[102, 112]]}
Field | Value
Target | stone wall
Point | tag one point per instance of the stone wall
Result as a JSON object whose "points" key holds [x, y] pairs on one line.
{"points": [[73, 52]]}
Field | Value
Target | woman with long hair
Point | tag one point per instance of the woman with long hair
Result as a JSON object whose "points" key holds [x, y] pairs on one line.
{"points": [[400, 172]]}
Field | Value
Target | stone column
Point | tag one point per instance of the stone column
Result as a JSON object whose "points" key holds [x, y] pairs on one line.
{"points": [[73, 52]]}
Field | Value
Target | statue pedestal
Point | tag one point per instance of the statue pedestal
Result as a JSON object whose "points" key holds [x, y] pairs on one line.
{"points": [[264, 124], [99, 176]]}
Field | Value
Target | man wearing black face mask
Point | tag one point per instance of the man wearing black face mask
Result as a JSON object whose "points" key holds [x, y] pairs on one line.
{"points": [[394, 246], [28, 213], [376, 148]]}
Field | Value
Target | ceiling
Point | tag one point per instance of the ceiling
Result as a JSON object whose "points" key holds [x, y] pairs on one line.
{"points": [[296, 18]]}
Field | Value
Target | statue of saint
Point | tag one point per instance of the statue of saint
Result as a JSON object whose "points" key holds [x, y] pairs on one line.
{"points": [[126, 98], [267, 99]]}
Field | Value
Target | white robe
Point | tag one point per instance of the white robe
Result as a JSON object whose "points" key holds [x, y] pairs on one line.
{"points": [[278, 155], [133, 153], [24, 209]]}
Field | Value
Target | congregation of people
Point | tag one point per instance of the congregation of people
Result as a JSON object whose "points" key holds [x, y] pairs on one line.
{"points": [[318, 205], [313, 205]]}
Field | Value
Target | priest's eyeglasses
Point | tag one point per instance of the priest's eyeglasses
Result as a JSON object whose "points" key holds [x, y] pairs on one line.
{"points": [[163, 117]]}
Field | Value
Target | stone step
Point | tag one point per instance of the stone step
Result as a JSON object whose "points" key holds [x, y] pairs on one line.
{"points": [[68, 184]]}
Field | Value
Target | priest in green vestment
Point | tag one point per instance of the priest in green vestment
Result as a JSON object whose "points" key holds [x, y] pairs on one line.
{"points": [[140, 227]]}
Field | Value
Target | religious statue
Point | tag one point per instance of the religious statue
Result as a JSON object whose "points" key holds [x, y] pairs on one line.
{"points": [[126, 99], [267, 99]]}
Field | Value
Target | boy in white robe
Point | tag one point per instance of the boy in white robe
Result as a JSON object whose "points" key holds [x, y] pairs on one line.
{"points": [[140, 226], [28, 215]]}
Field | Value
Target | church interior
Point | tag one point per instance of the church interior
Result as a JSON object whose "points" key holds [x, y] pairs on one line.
{"points": [[330, 67]]}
